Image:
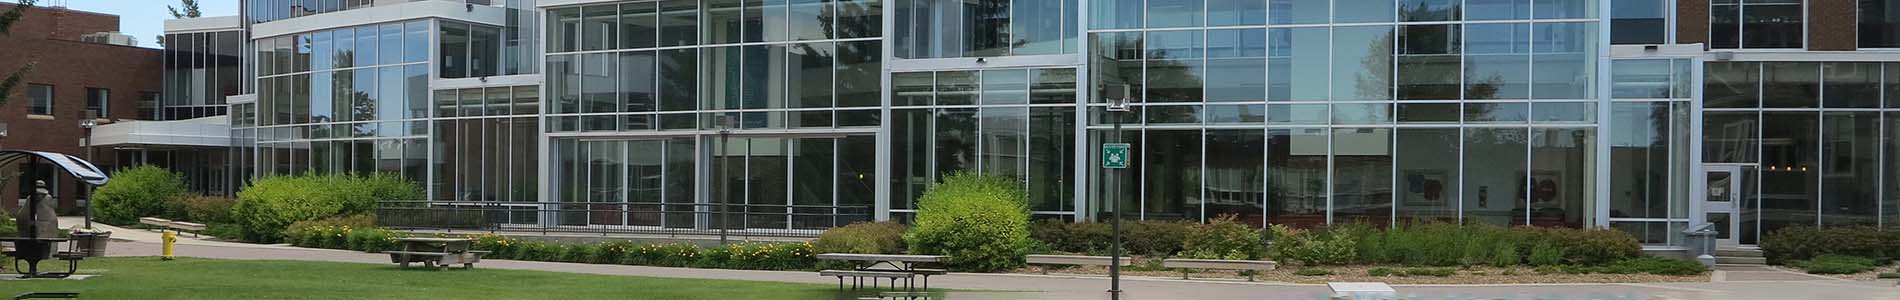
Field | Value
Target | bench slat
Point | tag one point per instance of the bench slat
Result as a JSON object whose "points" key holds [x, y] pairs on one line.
{"points": [[1261, 265], [877, 274], [1040, 259], [419, 253]]}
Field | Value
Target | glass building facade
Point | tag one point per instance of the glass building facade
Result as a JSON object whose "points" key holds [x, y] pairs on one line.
{"points": [[1558, 113]]}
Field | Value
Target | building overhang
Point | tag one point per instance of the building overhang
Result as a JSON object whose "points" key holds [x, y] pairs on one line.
{"points": [[453, 10], [214, 132], [204, 24]]}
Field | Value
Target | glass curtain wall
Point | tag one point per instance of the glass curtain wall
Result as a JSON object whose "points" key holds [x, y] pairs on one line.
{"points": [[1757, 24], [1649, 148], [1309, 113], [200, 69], [344, 100], [984, 28], [1816, 135], [484, 143], [1017, 123]]}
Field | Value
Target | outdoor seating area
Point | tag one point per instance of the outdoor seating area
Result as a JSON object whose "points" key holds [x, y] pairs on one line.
{"points": [[896, 268], [438, 253]]}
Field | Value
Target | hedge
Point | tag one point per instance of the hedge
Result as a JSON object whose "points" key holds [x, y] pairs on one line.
{"points": [[1435, 244], [139, 191], [336, 233], [1799, 243], [269, 204]]}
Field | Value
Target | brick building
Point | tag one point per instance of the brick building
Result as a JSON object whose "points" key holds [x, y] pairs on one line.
{"points": [[74, 73]]}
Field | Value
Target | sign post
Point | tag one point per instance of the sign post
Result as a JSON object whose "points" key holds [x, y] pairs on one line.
{"points": [[1115, 157]]}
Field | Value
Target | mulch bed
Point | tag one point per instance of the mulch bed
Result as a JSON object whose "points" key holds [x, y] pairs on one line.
{"points": [[1471, 275]]}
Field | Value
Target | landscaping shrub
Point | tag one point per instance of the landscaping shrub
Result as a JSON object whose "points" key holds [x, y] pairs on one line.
{"points": [[1505, 255], [350, 233], [1154, 237], [1546, 254], [1379, 272], [1590, 246], [1431, 272], [1310, 247], [614, 252], [140, 191], [207, 209], [1223, 238], [1145, 237], [1312, 272], [537, 251], [1807, 242], [270, 204], [1071, 237], [980, 222], [6, 227], [1658, 266], [863, 238], [664, 255], [1836, 264]]}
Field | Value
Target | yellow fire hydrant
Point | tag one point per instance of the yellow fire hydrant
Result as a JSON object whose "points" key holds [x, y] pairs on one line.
{"points": [[169, 238]]}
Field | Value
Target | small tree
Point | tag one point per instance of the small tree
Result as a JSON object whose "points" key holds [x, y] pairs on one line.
{"points": [[980, 222]]}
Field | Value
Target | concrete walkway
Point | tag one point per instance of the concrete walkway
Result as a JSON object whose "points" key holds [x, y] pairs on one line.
{"points": [[1013, 286]]}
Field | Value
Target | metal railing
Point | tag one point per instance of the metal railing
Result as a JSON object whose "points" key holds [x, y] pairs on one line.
{"points": [[708, 219]]}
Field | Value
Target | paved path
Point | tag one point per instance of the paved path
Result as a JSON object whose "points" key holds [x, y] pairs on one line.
{"points": [[1091, 288]]}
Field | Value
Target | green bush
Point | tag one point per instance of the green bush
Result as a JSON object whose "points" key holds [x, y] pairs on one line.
{"points": [[862, 238], [1312, 272], [664, 255], [1591, 246], [1335, 247], [269, 204], [980, 222], [1658, 266], [6, 227], [1223, 238], [135, 192], [1505, 255], [1836, 264], [1071, 237], [1145, 237], [1155, 238], [1430, 272], [1808, 242], [614, 252], [1379, 272], [1546, 254], [349, 233], [207, 209]]}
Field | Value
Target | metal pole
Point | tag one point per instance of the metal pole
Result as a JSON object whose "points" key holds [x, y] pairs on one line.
{"points": [[89, 187], [1114, 207], [725, 192]]}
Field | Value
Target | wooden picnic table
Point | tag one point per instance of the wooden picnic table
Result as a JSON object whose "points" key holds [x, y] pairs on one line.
{"points": [[899, 263], [436, 252]]}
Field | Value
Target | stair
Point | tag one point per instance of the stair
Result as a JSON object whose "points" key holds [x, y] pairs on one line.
{"points": [[1740, 257]]}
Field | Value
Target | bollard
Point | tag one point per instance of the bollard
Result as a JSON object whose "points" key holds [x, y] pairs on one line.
{"points": [[171, 237]]}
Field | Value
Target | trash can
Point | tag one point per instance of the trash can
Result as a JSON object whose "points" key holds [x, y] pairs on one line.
{"points": [[92, 244], [1701, 243]]}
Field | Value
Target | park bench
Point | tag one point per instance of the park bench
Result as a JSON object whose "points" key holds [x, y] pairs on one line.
{"points": [[1217, 264], [181, 226], [1072, 260], [439, 253], [859, 275]]}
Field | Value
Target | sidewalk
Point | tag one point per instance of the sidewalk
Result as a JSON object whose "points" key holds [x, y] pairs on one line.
{"points": [[1016, 286]]}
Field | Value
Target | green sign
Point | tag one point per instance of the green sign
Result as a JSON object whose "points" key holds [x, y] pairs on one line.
{"points": [[1115, 155]]}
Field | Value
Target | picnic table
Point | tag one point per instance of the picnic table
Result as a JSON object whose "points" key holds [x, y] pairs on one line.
{"points": [[893, 266], [439, 253], [35, 249]]}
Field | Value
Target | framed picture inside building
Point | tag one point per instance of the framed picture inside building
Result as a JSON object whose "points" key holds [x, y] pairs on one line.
{"points": [[1426, 188]]}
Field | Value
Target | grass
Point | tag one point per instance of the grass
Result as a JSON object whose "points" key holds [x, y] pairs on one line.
{"points": [[192, 278]]}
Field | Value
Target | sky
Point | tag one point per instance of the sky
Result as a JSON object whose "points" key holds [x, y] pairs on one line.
{"points": [[144, 19]]}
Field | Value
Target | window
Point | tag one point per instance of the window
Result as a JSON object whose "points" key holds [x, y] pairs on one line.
{"points": [[98, 100], [987, 28], [1756, 24], [1879, 24], [1638, 22], [42, 99]]}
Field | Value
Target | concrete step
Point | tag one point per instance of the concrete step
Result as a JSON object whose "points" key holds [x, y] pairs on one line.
{"points": [[1738, 253], [1730, 260]]}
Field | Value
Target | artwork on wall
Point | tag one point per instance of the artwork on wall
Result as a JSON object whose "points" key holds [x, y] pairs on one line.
{"points": [[1546, 187], [1426, 188]]}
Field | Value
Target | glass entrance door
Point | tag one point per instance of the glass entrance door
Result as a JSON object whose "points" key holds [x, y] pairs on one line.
{"points": [[1720, 202], [792, 182]]}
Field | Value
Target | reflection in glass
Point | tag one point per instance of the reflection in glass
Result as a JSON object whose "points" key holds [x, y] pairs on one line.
{"points": [[1298, 11], [1428, 171], [1494, 175], [1791, 85], [1428, 10], [1296, 179], [956, 140], [956, 88], [1564, 56], [1174, 13], [1235, 175], [1732, 85], [1172, 180], [1004, 131], [1362, 176], [1851, 85], [1236, 60], [1362, 11], [1851, 178], [1790, 172], [1497, 9], [1362, 63], [1429, 62], [1497, 61], [1051, 153], [1236, 12], [1118, 66], [1303, 51], [810, 20]]}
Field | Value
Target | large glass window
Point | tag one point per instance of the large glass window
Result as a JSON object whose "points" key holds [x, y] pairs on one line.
{"points": [[1791, 169], [40, 99], [985, 28], [1851, 85], [1362, 63], [1756, 24], [1791, 85], [1236, 60], [1302, 51], [1428, 172], [1296, 178], [1429, 62], [1639, 21], [1850, 143], [1563, 56], [1494, 175], [1879, 24], [1362, 176], [1174, 66], [1173, 185]]}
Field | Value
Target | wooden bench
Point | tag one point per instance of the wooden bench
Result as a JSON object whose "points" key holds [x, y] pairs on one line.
{"points": [[182, 226], [859, 275], [438, 260], [1218, 264], [1073, 260]]}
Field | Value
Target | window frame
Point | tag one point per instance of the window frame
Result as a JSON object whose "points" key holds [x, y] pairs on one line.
{"points": [[34, 105]]}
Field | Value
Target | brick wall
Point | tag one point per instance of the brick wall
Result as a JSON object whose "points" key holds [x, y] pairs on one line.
{"points": [[1831, 25], [1692, 21], [51, 38]]}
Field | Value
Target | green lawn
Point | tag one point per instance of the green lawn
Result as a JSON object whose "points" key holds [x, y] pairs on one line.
{"points": [[147, 278]]}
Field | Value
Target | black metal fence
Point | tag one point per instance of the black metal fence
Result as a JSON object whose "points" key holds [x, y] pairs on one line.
{"points": [[619, 218]]}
